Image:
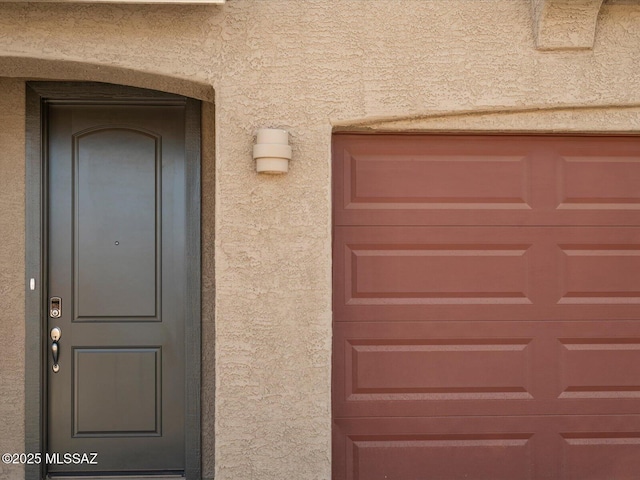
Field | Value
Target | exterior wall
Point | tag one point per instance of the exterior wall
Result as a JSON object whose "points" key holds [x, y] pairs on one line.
{"points": [[12, 271], [308, 66]]}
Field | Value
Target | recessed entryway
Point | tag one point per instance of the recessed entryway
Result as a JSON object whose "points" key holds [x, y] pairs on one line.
{"points": [[116, 319]]}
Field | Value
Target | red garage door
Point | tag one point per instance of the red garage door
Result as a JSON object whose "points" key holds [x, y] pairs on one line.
{"points": [[486, 307]]}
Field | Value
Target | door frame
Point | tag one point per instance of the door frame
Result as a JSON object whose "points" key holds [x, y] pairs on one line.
{"points": [[38, 96]]}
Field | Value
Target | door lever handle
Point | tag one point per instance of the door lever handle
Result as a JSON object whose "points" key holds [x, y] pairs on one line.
{"points": [[55, 352], [55, 348]]}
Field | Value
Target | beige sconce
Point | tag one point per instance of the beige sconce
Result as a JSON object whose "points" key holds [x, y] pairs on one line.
{"points": [[272, 151]]}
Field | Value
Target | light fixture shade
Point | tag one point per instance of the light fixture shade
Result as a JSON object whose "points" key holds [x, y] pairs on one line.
{"points": [[272, 151]]}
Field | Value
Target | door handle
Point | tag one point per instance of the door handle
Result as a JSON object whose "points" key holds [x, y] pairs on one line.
{"points": [[55, 348]]}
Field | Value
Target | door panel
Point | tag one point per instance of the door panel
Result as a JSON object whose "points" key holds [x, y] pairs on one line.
{"points": [[126, 405], [117, 260], [124, 268]]}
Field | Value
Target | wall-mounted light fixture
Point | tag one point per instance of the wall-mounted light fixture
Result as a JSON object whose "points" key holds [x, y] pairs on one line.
{"points": [[272, 151]]}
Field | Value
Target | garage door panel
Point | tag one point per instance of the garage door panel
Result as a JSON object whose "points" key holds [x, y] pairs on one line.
{"points": [[496, 457], [600, 456], [485, 180], [486, 273], [602, 183], [511, 447], [403, 376], [436, 181], [599, 368], [488, 368], [600, 273], [437, 273], [397, 370], [401, 266], [445, 449], [402, 180]]}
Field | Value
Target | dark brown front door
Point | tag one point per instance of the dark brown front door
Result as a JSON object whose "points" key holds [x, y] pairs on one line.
{"points": [[486, 307], [116, 250]]}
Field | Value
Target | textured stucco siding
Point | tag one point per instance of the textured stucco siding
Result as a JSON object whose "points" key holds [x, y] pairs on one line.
{"points": [[11, 272], [308, 66]]}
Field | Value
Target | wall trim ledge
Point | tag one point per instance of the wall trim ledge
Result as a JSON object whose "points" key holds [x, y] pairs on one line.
{"points": [[604, 119]]}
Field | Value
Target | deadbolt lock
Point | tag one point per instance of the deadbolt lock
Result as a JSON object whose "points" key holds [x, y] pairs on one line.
{"points": [[55, 307]]}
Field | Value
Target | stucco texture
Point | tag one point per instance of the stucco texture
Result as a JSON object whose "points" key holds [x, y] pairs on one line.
{"points": [[12, 272], [308, 66]]}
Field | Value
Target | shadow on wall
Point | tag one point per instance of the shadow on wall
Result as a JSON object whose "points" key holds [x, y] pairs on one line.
{"points": [[47, 69]]}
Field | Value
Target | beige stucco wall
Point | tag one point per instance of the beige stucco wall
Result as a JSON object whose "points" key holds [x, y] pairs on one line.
{"points": [[12, 272], [307, 66]]}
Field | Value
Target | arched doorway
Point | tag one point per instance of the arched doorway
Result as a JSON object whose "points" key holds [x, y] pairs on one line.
{"points": [[131, 386]]}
